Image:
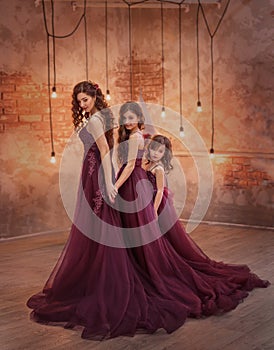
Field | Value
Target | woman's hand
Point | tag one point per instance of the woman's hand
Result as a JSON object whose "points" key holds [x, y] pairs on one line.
{"points": [[156, 212], [112, 192]]}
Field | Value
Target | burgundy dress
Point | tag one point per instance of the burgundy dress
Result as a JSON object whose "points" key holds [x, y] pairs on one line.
{"points": [[186, 281], [113, 290], [218, 286], [95, 285]]}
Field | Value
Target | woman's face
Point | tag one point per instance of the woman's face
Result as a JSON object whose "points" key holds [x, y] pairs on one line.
{"points": [[86, 102], [130, 121], [157, 153]]}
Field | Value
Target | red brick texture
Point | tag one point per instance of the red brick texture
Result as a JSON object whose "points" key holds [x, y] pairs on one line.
{"points": [[24, 106], [238, 172]]}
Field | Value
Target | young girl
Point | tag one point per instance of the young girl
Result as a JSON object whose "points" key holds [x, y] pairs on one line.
{"points": [[135, 192], [157, 163]]}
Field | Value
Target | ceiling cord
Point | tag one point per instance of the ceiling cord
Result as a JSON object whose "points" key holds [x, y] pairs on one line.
{"points": [[163, 56], [212, 34]]}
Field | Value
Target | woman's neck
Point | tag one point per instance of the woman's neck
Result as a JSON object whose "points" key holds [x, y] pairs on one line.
{"points": [[133, 131], [93, 111]]}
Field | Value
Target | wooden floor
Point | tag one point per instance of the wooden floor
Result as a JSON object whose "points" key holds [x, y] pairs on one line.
{"points": [[25, 264]]}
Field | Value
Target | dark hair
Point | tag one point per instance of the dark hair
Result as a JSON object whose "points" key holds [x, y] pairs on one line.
{"points": [[155, 142], [92, 89], [123, 133]]}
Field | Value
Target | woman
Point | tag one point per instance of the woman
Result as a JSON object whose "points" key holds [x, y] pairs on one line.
{"points": [[93, 285], [183, 280]]}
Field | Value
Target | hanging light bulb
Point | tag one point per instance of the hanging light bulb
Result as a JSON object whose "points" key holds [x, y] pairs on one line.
{"points": [[74, 5], [199, 106], [108, 97], [219, 4], [182, 132], [163, 113], [212, 155], [52, 158], [53, 94]]}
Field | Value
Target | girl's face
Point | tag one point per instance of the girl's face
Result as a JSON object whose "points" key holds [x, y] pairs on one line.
{"points": [[86, 102], [157, 153], [130, 121]]}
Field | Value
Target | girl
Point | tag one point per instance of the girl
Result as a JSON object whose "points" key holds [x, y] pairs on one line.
{"points": [[232, 278], [179, 278], [158, 162]]}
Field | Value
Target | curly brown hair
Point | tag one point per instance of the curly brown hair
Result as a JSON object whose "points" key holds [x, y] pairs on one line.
{"points": [[123, 133], [155, 142], [92, 89]]}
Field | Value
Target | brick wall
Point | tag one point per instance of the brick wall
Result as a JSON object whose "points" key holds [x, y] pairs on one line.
{"points": [[30, 198], [146, 73], [238, 172], [30, 195], [24, 106], [243, 186]]}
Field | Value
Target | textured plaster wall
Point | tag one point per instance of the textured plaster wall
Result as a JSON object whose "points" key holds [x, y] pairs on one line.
{"points": [[243, 63]]}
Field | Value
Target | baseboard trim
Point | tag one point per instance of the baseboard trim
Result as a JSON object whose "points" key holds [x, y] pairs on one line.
{"points": [[216, 223], [271, 228], [4, 239]]}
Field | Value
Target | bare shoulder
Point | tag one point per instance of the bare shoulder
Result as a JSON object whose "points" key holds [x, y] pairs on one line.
{"points": [[136, 135], [159, 169], [96, 119], [145, 164], [95, 125]]}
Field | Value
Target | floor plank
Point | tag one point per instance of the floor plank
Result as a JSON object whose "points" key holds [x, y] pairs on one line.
{"points": [[26, 263]]}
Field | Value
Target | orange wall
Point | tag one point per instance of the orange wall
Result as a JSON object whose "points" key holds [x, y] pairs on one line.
{"points": [[243, 166]]}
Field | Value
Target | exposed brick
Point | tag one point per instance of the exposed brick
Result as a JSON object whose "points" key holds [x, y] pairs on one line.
{"points": [[23, 109], [241, 160], [9, 106], [36, 109], [252, 183], [30, 118], [24, 95], [237, 167], [17, 126], [243, 183], [57, 116], [265, 176], [14, 95], [27, 87], [9, 118], [8, 80], [16, 78], [7, 88], [40, 125], [67, 89], [228, 183], [61, 110], [23, 79], [240, 174], [229, 173], [257, 175], [57, 102]]}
